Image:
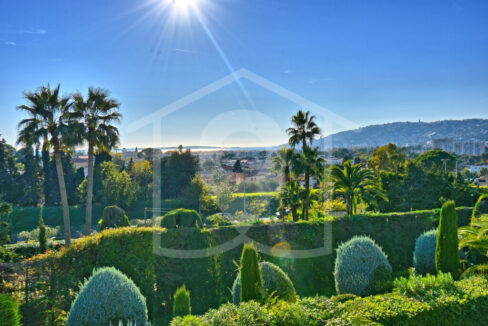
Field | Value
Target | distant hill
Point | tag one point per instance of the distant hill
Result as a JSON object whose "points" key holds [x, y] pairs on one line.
{"points": [[408, 133]]}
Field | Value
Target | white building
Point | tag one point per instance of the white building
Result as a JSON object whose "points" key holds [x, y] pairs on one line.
{"points": [[477, 168]]}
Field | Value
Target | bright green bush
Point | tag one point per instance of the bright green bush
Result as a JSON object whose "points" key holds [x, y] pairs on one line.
{"points": [[356, 264], [108, 296], [462, 303], [9, 311], [276, 284], [218, 220], [181, 302], [481, 206], [251, 280], [423, 287], [424, 253], [181, 218], [113, 217], [446, 251]]}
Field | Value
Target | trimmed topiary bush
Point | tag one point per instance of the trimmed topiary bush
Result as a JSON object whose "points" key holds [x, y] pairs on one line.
{"points": [[357, 263], [424, 253], [276, 284], [251, 280], [113, 217], [181, 303], [108, 296], [9, 311], [481, 206], [181, 218], [446, 251]]}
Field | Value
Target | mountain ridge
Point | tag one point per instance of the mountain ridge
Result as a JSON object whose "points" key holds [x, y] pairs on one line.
{"points": [[408, 133]]}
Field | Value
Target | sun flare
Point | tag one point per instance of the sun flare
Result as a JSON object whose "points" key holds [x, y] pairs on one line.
{"points": [[183, 5]]}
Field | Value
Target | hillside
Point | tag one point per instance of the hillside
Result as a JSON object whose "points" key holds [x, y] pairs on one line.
{"points": [[408, 133]]}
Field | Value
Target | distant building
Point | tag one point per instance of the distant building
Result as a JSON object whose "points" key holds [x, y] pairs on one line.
{"points": [[459, 147], [81, 162], [477, 168]]}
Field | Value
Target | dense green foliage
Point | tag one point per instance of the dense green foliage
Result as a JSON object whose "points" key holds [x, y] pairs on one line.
{"points": [[4, 233], [9, 311], [358, 263], [465, 303], [108, 296], [424, 253], [276, 284], [446, 251], [217, 220], [181, 302], [250, 275], [181, 218], [395, 233], [481, 206], [113, 217]]}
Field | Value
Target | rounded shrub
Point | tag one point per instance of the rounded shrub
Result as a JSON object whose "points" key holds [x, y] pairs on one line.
{"points": [[251, 279], [9, 311], [181, 303], [113, 217], [481, 206], [358, 265], [181, 218], [446, 251], [108, 296], [424, 253], [276, 284]]}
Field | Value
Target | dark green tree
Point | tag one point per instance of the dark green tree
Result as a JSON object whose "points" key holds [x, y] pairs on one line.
{"points": [[237, 168], [177, 171], [251, 279], [42, 235], [447, 247]]}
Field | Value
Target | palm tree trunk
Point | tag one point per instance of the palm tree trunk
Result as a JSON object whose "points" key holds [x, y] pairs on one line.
{"points": [[307, 194], [62, 191], [89, 190]]}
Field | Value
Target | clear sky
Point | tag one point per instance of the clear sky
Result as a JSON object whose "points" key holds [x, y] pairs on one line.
{"points": [[367, 61]]}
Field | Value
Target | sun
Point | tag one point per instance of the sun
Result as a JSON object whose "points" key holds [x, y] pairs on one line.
{"points": [[184, 5]]}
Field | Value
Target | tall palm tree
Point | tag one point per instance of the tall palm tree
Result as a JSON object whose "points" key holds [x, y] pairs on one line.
{"points": [[283, 162], [304, 129], [48, 120], [355, 184], [313, 165], [96, 116]]}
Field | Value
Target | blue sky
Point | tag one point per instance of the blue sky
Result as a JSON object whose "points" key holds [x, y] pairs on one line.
{"points": [[367, 61]]}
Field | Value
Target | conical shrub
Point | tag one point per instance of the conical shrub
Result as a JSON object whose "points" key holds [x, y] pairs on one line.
{"points": [[251, 280], [446, 251], [181, 303], [9, 311], [108, 296]]}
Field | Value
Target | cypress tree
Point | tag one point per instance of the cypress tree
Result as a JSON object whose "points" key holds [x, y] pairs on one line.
{"points": [[447, 251], [181, 303], [251, 280], [42, 238]]}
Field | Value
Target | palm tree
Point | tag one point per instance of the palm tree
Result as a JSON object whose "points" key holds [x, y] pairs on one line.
{"points": [[313, 165], [283, 162], [355, 184], [96, 115], [48, 120], [290, 197], [304, 128]]}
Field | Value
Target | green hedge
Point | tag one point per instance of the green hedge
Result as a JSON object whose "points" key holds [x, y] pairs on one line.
{"points": [[130, 250], [465, 305]]}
